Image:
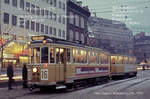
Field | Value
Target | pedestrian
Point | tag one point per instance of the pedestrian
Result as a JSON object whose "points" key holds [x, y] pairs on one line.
{"points": [[24, 75], [10, 74]]}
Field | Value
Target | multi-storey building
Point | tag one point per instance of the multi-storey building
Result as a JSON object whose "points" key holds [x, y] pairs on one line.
{"points": [[77, 22], [111, 35], [142, 47], [24, 18]]}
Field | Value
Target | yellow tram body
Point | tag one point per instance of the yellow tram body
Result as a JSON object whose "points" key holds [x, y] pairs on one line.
{"points": [[60, 63], [123, 65]]}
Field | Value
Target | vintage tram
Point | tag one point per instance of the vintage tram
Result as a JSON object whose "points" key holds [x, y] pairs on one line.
{"points": [[58, 64]]}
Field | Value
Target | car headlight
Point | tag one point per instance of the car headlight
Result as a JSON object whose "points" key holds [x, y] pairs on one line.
{"points": [[35, 70]]}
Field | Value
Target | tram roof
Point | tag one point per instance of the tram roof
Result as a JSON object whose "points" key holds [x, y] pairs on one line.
{"points": [[57, 41]]}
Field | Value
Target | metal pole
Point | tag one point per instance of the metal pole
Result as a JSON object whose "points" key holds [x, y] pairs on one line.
{"points": [[2, 52]]}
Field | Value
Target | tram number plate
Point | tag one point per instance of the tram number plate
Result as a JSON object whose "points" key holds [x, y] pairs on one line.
{"points": [[44, 74]]}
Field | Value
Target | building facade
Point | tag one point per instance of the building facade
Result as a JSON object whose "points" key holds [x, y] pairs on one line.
{"points": [[25, 18], [77, 22], [111, 35], [142, 48]]}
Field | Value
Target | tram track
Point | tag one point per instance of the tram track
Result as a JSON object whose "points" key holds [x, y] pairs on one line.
{"points": [[85, 90]]}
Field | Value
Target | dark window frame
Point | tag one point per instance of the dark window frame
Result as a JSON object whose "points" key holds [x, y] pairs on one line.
{"points": [[14, 3], [32, 25], [28, 6], [46, 29], [6, 18], [14, 20], [37, 27], [7, 1], [33, 8], [22, 4], [27, 23], [21, 22], [42, 28]]}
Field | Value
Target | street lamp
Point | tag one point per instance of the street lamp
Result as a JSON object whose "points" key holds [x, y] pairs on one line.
{"points": [[1, 52]]}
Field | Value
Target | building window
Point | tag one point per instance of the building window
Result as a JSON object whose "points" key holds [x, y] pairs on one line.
{"points": [[64, 6], [71, 35], [28, 6], [22, 4], [71, 18], [37, 27], [7, 1], [27, 24], [14, 3], [37, 10], [42, 28], [6, 18], [60, 4], [63, 34], [51, 15], [64, 20], [32, 25], [21, 22], [51, 2], [55, 3], [76, 20], [46, 29], [42, 12], [54, 31], [59, 33], [55, 17], [46, 13], [50, 30], [77, 36], [33, 9], [82, 22], [59, 19], [47, 1], [14, 20], [82, 38]]}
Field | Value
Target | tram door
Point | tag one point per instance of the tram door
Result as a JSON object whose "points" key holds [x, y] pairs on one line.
{"points": [[60, 67]]}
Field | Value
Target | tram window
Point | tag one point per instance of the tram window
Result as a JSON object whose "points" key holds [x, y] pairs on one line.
{"points": [[36, 55], [125, 60], [68, 56], [113, 59], [120, 60], [52, 58], [83, 56], [104, 59], [59, 55], [44, 55], [75, 51], [97, 58], [135, 61], [93, 58], [79, 56]]}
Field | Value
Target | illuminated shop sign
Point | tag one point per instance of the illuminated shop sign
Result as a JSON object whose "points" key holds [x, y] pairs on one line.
{"points": [[34, 38]]}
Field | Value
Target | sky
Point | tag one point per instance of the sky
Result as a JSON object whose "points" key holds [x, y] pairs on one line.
{"points": [[135, 13]]}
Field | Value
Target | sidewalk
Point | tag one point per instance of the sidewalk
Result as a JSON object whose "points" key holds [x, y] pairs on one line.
{"points": [[17, 75], [17, 92]]}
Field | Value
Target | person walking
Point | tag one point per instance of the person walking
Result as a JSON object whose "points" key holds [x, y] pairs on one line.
{"points": [[10, 74], [24, 75]]}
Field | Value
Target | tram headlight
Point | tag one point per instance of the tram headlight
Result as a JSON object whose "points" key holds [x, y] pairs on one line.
{"points": [[44, 42], [34, 70]]}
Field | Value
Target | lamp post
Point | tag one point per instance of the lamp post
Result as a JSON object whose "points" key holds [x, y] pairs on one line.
{"points": [[1, 52]]}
